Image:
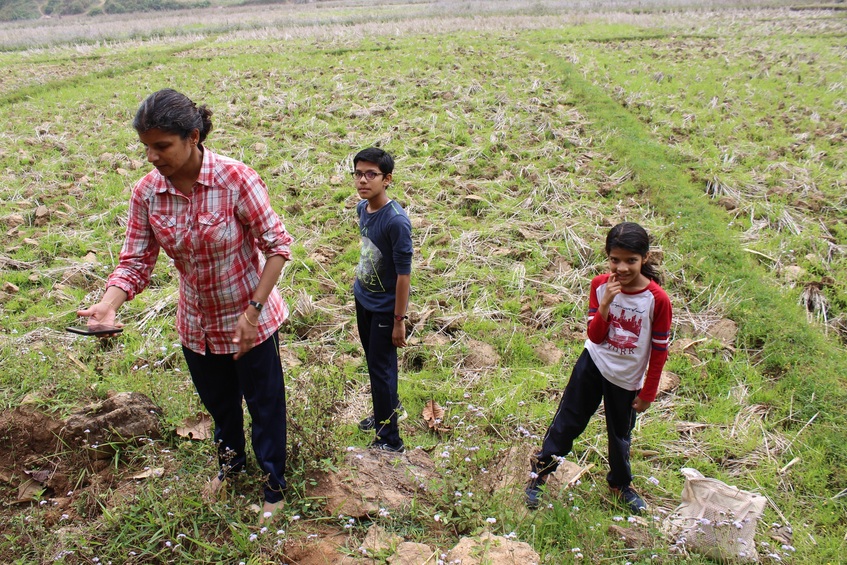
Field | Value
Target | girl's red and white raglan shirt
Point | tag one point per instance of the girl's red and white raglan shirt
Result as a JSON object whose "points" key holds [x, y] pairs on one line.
{"points": [[631, 347]]}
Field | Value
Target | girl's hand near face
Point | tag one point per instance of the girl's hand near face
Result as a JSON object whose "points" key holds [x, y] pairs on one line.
{"points": [[613, 288]]}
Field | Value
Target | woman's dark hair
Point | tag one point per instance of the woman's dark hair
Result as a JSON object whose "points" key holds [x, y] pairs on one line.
{"points": [[376, 155], [173, 112], [633, 238]]}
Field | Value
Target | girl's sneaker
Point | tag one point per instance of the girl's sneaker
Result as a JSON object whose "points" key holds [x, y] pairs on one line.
{"points": [[532, 492], [629, 497]]}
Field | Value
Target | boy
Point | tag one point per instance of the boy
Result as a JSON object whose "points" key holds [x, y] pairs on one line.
{"points": [[382, 291]]}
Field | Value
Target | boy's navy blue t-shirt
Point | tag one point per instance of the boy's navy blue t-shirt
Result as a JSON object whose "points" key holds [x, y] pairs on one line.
{"points": [[386, 252]]}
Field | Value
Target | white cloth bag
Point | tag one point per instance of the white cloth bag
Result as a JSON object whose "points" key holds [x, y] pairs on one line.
{"points": [[716, 520]]}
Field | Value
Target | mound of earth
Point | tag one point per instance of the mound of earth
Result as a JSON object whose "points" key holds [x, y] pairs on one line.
{"points": [[118, 419], [41, 457]]}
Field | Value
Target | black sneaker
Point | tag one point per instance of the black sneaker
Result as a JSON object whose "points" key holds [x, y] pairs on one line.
{"points": [[369, 423], [630, 498], [533, 492], [382, 446]]}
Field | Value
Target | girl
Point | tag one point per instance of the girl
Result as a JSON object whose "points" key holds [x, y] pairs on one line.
{"points": [[213, 217], [629, 321]]}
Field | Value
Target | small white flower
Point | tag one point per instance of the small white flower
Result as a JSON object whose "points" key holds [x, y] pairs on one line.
{"points": [[268, 514], [253, 537], [437, 517], [491, 520], [653, 480], [295, 517]]}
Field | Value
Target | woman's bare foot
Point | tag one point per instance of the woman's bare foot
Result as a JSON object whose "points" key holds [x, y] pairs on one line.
{"points": [[269, 511], [213, 490]]}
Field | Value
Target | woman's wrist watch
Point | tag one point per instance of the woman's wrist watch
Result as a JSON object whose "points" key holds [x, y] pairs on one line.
{"points": [[257, 305], [399, 318]]}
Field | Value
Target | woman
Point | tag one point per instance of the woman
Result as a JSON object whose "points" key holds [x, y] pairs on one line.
{"points": [[213, 217]]}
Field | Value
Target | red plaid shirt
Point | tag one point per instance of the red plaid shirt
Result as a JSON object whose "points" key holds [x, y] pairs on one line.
{"points": [[218, 239]]}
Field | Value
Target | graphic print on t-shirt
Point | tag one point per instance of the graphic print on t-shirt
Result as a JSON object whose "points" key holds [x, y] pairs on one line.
{"points": [[367, 271], [624, 332]]}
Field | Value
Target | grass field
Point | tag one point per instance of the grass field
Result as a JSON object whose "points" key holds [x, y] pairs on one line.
{"points": [[521, 135]]}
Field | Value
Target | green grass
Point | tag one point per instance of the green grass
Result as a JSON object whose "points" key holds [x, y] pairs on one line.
{"points": [[516, 151]]}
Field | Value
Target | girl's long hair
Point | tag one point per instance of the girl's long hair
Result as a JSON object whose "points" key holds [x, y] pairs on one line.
{"points": [[633, 238]]}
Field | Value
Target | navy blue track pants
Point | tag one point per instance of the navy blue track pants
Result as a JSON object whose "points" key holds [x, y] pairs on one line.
{"points": [[375, 330], [256, 377], [579, 402]]}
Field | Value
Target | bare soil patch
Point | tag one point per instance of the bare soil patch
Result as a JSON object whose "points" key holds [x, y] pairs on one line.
{"points": [[67, 466]]}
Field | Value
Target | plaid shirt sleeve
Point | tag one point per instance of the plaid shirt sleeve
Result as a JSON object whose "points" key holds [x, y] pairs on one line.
{"points": [[254, 210], [140, 248]]}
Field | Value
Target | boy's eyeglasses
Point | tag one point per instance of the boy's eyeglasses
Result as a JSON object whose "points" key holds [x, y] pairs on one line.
{"points": [[370, 175]]}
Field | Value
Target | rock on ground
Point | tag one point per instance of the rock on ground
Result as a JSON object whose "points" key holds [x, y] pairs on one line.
{"points": [[410, 553], [369, 480], [489, 548]]}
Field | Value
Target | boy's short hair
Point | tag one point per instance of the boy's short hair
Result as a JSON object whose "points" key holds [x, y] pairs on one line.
{"points": [[383, 160]]}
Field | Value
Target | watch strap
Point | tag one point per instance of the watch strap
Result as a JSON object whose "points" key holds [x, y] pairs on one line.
{"points": [[257, 305]]}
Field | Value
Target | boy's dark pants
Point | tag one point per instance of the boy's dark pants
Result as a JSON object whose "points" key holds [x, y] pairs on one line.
{"points": [[221, 383], [579, 402], [375, 330]]}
